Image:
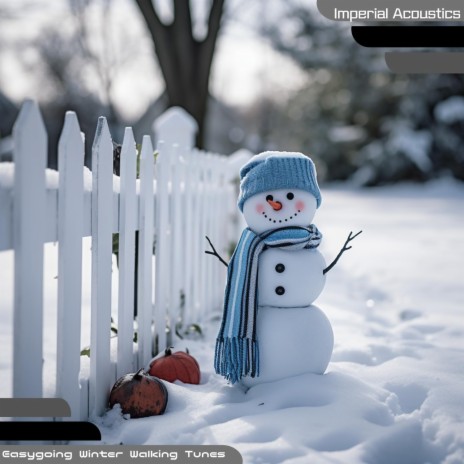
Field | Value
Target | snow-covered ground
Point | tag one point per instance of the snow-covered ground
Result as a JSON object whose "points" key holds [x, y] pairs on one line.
{"points": [[394, 390]]}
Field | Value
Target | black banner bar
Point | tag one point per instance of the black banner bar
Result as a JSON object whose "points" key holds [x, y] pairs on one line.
{"points": [[409, 36], [48, 431]]}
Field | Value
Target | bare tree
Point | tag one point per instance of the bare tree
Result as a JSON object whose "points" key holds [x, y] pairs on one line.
{"points": [[185, 60], [81, 61]]}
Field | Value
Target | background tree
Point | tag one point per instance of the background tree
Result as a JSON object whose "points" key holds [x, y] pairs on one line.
{"points": [[77, 58], [185, 60]]}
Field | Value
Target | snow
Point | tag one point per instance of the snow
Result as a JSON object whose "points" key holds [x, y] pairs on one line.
{"points": [[413, 144], [52, 178], [393, 391], [450, 110], [347, 134]]}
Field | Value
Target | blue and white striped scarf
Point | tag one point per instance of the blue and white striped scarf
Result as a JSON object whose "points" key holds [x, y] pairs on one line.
{"points": [[237, 351]]}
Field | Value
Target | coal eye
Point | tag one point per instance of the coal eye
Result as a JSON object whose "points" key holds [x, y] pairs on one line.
{"points": [[290, 196], [269, 198]]}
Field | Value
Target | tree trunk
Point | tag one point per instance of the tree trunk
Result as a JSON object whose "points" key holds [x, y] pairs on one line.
{"points": [[185, 62]]}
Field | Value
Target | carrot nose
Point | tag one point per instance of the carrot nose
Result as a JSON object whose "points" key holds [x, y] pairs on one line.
{"points": [[276, 205]]}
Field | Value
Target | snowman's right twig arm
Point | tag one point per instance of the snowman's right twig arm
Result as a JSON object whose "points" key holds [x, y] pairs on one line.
{"points": [[214, 252], [344, 248]]}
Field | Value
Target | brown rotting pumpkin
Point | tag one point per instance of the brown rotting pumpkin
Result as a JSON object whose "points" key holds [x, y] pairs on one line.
{"points": [[139, 394]]}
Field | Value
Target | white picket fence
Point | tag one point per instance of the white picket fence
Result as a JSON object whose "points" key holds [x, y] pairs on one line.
{"points": [[183, 196]]}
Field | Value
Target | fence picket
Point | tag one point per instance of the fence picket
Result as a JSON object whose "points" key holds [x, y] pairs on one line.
{"points": [[84, 388], [198, 239], [216, 221], [127, 226], [162, 246], [29, 197], [209, 229], [145, 303], [187, 207], [70, 231], [203, 211], [102, 214], [177, 244], [224, 226]]}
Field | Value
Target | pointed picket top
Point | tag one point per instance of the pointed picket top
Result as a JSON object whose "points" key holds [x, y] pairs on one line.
{"points": [[128, 160], [71, 135], [147, 148], [30, 119], [30, 137], [176, 126], [128, 143], [147, 157], [102, 136]]}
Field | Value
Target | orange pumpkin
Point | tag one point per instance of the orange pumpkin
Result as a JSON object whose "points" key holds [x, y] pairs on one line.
{"points": [[176, 366], [139, 395]]}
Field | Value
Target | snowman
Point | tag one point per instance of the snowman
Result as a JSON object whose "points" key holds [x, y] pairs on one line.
{"points": [[271, 329]]}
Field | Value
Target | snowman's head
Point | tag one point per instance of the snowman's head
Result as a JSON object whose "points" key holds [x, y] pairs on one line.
{"points": [[274, 209], [278, 189]]}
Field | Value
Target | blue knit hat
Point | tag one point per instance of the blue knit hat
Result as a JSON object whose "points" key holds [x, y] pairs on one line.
{"points": [[274, 170]]}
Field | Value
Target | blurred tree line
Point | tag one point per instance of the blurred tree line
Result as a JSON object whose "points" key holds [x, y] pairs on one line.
{"points": [[357, 119]]}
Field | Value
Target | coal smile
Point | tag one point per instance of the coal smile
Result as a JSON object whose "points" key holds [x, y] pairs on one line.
{"points": [[275, 221]]}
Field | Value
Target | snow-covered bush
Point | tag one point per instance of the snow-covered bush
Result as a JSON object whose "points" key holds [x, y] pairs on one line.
{"points": [[359, 120]]}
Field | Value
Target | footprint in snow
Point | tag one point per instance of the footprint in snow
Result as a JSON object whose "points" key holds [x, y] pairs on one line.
{"points": [[410, 396]]}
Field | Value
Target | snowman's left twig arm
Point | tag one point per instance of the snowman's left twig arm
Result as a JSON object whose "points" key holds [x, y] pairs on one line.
{"points": [[344, 248], [214, 252]]}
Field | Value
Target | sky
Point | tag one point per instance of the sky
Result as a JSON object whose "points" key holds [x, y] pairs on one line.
{"points": [[245, 65]]}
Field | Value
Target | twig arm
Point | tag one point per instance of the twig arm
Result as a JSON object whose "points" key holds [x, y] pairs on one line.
{"points": [[344, 248], [214, 252]]}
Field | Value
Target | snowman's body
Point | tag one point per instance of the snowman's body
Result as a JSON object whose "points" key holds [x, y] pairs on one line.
{"points": [[292, 341], [289, 279], [294, 336]]}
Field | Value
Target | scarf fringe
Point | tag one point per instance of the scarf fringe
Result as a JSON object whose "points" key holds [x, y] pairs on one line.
{"points": [[236, 358]]}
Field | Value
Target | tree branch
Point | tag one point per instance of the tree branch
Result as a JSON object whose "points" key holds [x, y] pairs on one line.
{"points": [[183, 16], [209, 43], [344, 248], [162, 41], [183, 51], [151, 16], [214, 20], [214, 252]]}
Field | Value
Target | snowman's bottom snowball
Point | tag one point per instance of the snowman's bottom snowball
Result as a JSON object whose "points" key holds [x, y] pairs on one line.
{"points": [[292, 341]]}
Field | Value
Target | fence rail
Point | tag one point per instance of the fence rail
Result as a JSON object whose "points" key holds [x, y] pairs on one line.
{"points": [[170, 203]]}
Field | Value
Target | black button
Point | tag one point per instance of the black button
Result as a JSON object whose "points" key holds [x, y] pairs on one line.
{"points": [[280, 290], [280, 268]]}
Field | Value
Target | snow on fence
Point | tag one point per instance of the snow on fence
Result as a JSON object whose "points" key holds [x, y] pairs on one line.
{"points": [[178, 199]]}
